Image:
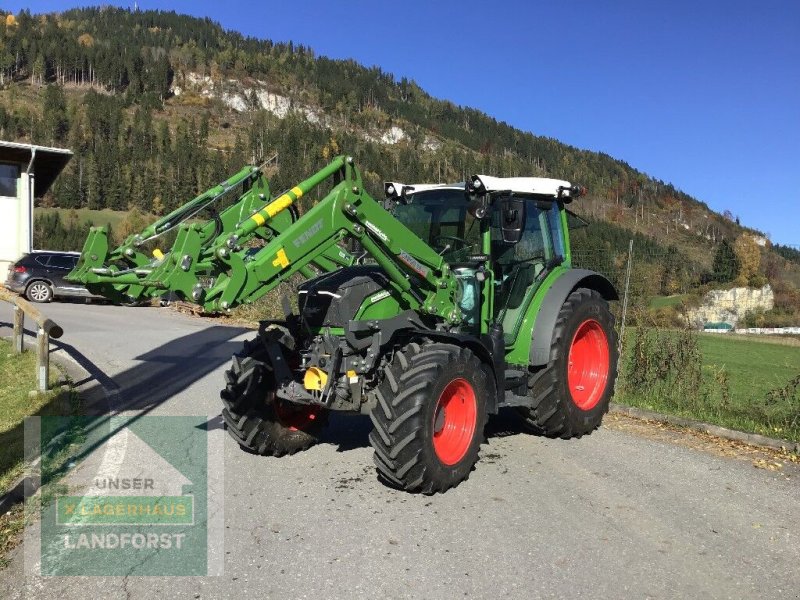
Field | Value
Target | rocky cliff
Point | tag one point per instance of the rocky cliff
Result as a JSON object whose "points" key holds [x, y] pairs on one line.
{"points": [[729, 306]]}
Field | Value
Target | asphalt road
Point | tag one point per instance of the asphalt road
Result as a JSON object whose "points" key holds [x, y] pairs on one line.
{"points": [[613, 515]]}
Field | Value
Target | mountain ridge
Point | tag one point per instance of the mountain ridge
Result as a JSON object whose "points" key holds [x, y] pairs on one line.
{"points": [[175, 68]]}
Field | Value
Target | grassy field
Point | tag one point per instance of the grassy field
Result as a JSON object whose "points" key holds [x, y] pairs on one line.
{"points": [[754, 366], [745, 383], [664, 301], [85, 215]]}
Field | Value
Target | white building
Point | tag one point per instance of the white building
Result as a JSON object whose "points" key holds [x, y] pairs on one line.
{"points": [[26, 171]]}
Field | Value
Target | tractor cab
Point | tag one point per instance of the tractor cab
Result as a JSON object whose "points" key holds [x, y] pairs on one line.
{"points": [[501, 236]]}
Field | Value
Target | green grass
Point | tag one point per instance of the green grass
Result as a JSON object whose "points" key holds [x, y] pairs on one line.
{"points": [[664, 301], [17, 378], [740, 382], [754, 366], [103, 217]]}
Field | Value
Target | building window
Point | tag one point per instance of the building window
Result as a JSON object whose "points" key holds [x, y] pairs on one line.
{"points": [[9, 175]]}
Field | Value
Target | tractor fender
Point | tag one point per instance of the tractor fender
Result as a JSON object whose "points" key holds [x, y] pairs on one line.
{"points": [[554, 299]]}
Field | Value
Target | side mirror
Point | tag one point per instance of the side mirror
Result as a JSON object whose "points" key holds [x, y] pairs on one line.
{"points": [[512, 219]]}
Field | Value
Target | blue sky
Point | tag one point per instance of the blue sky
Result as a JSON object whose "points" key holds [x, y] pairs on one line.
{"points": [[703, 94]]}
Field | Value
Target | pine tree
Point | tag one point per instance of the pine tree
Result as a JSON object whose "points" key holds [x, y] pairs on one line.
{"points": [[94, 199], [54, 114], [726, 264]]}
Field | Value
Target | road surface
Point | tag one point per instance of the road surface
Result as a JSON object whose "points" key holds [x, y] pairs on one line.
{"points": [[613, 515]]}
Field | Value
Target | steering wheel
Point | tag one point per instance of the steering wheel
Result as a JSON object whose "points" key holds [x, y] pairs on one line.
{"points": [[462, 242]]}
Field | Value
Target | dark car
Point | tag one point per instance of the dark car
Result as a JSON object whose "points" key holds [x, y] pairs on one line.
{"points": [[40, 276]]}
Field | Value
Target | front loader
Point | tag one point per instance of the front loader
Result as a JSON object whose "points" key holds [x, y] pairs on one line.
{"points": [[429, 311]]}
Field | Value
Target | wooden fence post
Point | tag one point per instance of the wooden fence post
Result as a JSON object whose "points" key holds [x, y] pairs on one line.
{"points": [[43, 359], [46, 329], [19, 329]]}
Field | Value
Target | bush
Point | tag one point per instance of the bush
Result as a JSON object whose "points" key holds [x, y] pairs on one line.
{"points": [[777, 317], [671, 317], [270, 305], [781, 408], [665, 367]]}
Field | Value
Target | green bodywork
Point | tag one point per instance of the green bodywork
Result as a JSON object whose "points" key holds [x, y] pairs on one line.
{"points": [[243, 252]]}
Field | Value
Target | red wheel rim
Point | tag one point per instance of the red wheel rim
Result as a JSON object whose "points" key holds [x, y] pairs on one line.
{"points": [[454, 421], [295, 417], [587, 371]]}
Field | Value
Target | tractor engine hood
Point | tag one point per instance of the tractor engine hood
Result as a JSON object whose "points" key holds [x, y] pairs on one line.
{"points": [[333, 299]]}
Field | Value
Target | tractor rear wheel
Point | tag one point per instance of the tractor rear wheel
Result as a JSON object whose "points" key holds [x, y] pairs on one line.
{"points": [[571, 394], [429, 417], [258, 420]]}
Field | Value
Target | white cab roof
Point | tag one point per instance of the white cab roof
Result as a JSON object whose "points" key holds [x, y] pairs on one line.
{"points": [[558, 188], [395, 188], [542, 186]]}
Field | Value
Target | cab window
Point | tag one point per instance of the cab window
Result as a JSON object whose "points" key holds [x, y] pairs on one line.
{"points": [[440, 219]]}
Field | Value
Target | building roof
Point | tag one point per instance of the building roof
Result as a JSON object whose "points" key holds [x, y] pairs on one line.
{"points": [[47, 162]]}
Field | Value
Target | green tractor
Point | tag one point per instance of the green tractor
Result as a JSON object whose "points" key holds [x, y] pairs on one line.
{"points": [[428, 311]]}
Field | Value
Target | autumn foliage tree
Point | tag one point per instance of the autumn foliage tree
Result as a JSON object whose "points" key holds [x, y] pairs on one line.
{"points": [[748, 254]]}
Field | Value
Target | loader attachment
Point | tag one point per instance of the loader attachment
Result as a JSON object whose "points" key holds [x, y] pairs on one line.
{"points": [[143, 267]]}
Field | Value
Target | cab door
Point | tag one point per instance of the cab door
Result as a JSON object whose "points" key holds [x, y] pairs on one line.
{"points": [[520, 265]]}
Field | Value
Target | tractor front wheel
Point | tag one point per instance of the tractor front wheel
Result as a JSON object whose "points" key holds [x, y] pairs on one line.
{"points": [[571, 394], [429, 417], [258, 420]]}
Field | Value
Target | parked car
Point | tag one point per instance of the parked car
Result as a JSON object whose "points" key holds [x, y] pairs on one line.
{"points": [[39, 276]]}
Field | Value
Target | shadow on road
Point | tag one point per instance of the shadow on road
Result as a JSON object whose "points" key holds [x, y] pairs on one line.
{"points": [[348, 432], [162, 373], [173, 367]]}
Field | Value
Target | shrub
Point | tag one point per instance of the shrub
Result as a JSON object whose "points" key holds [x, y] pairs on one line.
{"points": [[664, 363]]}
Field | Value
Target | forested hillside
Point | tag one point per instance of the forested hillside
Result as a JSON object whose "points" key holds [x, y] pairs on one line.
{"points": [[157, 106], [115, 86]]}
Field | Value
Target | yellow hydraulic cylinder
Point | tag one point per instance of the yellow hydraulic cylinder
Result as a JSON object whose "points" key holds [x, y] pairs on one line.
{"points": [[285, 200]]}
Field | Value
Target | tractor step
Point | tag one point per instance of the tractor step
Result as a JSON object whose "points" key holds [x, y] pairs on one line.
{"points": [[514, 378], [512, 399]]}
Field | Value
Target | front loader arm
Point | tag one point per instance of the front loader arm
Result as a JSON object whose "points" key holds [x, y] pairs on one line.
{"points": [[237, 274], [126, 272]]}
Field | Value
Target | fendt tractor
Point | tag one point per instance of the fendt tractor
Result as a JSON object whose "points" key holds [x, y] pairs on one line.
{"points": [[429, 311]]}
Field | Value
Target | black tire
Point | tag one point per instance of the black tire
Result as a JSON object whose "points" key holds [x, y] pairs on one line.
{"points": [[39, 291], [410, 404], [560, 410], [251, 414]]}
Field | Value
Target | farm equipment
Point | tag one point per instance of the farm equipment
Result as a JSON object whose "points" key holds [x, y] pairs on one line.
{"points": [[429, 311]]}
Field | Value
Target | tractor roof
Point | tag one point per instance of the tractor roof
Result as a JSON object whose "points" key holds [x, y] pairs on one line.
{"points": [[540, 186], [558, 188], [396, 188]]}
